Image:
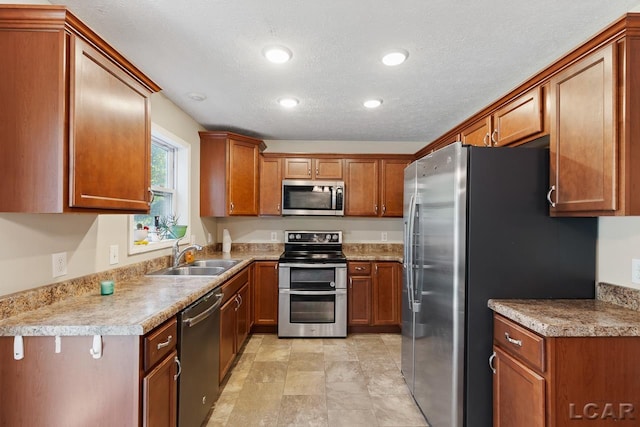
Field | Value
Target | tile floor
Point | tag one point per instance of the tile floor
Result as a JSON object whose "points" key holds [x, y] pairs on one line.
{"points": [[317, 382]]}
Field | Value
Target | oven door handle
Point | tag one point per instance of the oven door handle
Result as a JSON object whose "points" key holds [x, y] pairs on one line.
{"points": [[336, 292], [310, 265]]}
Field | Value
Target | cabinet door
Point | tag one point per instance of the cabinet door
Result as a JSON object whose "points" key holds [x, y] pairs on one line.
{"points": [[227, 336], [583, 144], [521, 118], [243, 178], [160, 394], [361, 187], [478, 134], [270, 186], [392, 187], [266, 293], [518, 393], [109, 147], [359, 300], [297, 168], [327, 168], [243, 318], [385, 308]]}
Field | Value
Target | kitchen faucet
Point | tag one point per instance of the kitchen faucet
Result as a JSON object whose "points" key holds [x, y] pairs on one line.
{"points": [[177, 254]]}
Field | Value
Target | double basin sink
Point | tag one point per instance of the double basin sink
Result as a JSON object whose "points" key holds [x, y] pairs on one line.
{"points": [[205, 267]]}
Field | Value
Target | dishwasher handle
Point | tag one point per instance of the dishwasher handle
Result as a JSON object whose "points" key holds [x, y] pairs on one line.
{"points": [[192, 321]]}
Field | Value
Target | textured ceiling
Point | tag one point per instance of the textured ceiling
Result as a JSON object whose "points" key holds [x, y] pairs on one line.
{"points": [[463, 54]]}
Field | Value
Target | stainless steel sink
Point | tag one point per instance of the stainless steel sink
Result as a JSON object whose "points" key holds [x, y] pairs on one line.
{"points": [[206, 267], [225, 263]]}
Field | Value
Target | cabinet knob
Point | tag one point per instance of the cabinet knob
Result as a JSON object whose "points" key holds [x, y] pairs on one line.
{"points": [[551, 202], [493, 139]]}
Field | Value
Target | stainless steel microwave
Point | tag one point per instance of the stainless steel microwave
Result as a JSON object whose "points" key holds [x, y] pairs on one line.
{"points": [[302, 197]]}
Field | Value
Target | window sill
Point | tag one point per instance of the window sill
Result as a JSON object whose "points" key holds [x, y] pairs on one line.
{"points": [[150, 247]]}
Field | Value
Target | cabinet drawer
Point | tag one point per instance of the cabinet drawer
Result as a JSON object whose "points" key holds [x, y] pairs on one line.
{"points": [[519, 342], [360, 268], [231, 287], [160, 342]]}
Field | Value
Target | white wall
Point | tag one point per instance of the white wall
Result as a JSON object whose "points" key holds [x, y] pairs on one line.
{"points": [[618, 244]]}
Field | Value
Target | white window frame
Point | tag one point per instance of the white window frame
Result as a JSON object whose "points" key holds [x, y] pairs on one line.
{"points": [[181, 199]]}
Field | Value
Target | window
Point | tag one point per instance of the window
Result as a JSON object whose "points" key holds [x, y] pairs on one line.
{"points": [[170, 185]]}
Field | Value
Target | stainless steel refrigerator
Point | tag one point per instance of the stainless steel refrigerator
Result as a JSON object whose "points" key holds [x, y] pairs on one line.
{"points": [[476, 227]]}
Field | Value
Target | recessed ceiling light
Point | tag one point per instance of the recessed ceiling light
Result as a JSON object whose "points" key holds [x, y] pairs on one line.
{"points": [[288, 102], [197, 96], [395, 57], [277, 54], [372, 103]]}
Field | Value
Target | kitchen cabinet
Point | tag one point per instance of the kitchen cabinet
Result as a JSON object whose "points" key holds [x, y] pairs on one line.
{"points": [[519, 119], [67, 149], [229, 174], [235, 318], [583, 141], [359, 294], [160, 384], [391, 186], [270, 186], [134, 382], [563, 381], [386, 293], [312, 168], [265, 294], [374, 294], [374, 187]]}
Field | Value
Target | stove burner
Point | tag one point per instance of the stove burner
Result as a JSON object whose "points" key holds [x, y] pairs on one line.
{"points": [[313, 247]]}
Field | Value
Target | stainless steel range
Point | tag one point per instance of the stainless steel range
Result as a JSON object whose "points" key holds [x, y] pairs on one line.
{"points": [[312, 284]]}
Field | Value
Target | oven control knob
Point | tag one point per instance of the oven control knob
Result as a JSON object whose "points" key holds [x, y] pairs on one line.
{"points": [[335, 237], [298, 236], [328, 237], [332, 284], [291, 236]]}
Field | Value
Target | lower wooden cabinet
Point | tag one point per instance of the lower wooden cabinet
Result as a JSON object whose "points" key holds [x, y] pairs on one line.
{"points": [[373, 294], [563, 381], [235, 319], [160, 394], [265, 293]]}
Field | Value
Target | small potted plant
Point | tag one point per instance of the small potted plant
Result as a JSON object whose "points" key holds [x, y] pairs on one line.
{"points": [[168, 227]]}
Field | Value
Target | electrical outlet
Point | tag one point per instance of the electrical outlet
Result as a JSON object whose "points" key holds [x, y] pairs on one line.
{"points": [[383, 237], [635, 271], [113, 254], [274, 236], [59, 264]]}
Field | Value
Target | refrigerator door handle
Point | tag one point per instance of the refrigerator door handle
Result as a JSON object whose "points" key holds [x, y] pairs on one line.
{"points": [[410, 262]]}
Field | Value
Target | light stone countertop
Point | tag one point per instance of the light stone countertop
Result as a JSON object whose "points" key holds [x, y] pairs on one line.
{"points": [[136, 307], [140, 304], [570, 317]]}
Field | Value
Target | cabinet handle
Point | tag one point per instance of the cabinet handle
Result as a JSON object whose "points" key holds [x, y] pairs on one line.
{"points": [[493, 140], [175, 377], [376, 267], [278, 207], [359, 268], [551, 202], [275, 267], [240, 303], [166, 343], [493, 356], [375, 208], [384, 209], [317, 172], [237, 303], [309, 172], [153, 196], [512, 340], [485, 139], [350, 282]]}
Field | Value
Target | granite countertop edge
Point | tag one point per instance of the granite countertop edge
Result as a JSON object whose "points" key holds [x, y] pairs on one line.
{"points": [[141, 304], [570, 317]]}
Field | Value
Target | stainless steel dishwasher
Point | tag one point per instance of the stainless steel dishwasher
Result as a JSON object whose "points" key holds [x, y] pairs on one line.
{"points": [[199, 353]]}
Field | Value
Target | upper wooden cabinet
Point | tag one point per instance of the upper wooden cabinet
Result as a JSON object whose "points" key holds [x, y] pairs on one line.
{"points": [[270, 186], [584, 143], [374, 187], [229, 174], [312, 168], [518, 120], [74, 118]]}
